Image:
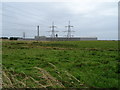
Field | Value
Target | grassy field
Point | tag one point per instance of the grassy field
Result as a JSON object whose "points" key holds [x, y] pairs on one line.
{"points": [[60, 64]]}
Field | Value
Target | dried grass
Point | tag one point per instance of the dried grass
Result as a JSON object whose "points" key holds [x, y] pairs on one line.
{"points": [[52, 81], [11, 80]]}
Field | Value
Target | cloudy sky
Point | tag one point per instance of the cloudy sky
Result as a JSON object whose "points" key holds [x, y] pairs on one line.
{"points": [[89, 18]]}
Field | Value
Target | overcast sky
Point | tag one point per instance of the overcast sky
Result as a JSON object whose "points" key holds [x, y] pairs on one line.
{"points": [[90, 19]]}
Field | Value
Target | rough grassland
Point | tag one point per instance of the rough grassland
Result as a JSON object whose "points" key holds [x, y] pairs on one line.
{"points": [[60, 64]]}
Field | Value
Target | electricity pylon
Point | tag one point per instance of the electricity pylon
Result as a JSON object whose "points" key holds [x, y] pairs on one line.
{"points": [[53, 30], [69, 30]]}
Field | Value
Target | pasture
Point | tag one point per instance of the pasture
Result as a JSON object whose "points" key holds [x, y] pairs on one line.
{"points": [[60, 64]]}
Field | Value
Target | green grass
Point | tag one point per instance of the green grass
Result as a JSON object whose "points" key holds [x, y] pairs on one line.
{"points": [[76, 64]]}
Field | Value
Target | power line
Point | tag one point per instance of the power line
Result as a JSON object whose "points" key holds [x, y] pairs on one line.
{"points": [[7, 20], [22, 16], [21, 12], [20, 24]]}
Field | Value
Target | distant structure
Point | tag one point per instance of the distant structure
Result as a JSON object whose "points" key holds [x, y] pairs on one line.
{"points": [[38, 30], [53, 30], [55, 37], [69, 30], [23, 35], [43, 38], [37, 37]]}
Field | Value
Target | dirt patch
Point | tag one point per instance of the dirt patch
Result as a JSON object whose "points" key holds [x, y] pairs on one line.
{"points": [[55, 48]]}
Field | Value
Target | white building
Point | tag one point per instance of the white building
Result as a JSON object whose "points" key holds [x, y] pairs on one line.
{"points": [[43, 38]]}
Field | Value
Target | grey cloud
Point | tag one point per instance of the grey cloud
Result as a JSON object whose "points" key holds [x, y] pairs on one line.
{"points": [[85, 24]]}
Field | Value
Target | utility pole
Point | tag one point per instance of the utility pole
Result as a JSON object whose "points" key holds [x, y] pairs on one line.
{"points": [[69, 30]]}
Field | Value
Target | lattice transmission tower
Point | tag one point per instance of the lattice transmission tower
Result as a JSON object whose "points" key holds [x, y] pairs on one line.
{"points": [[53, 30], [69, 31]]}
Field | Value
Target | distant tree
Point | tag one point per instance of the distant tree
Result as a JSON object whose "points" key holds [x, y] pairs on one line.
{"points": [[14, 38], [4, 37]]}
